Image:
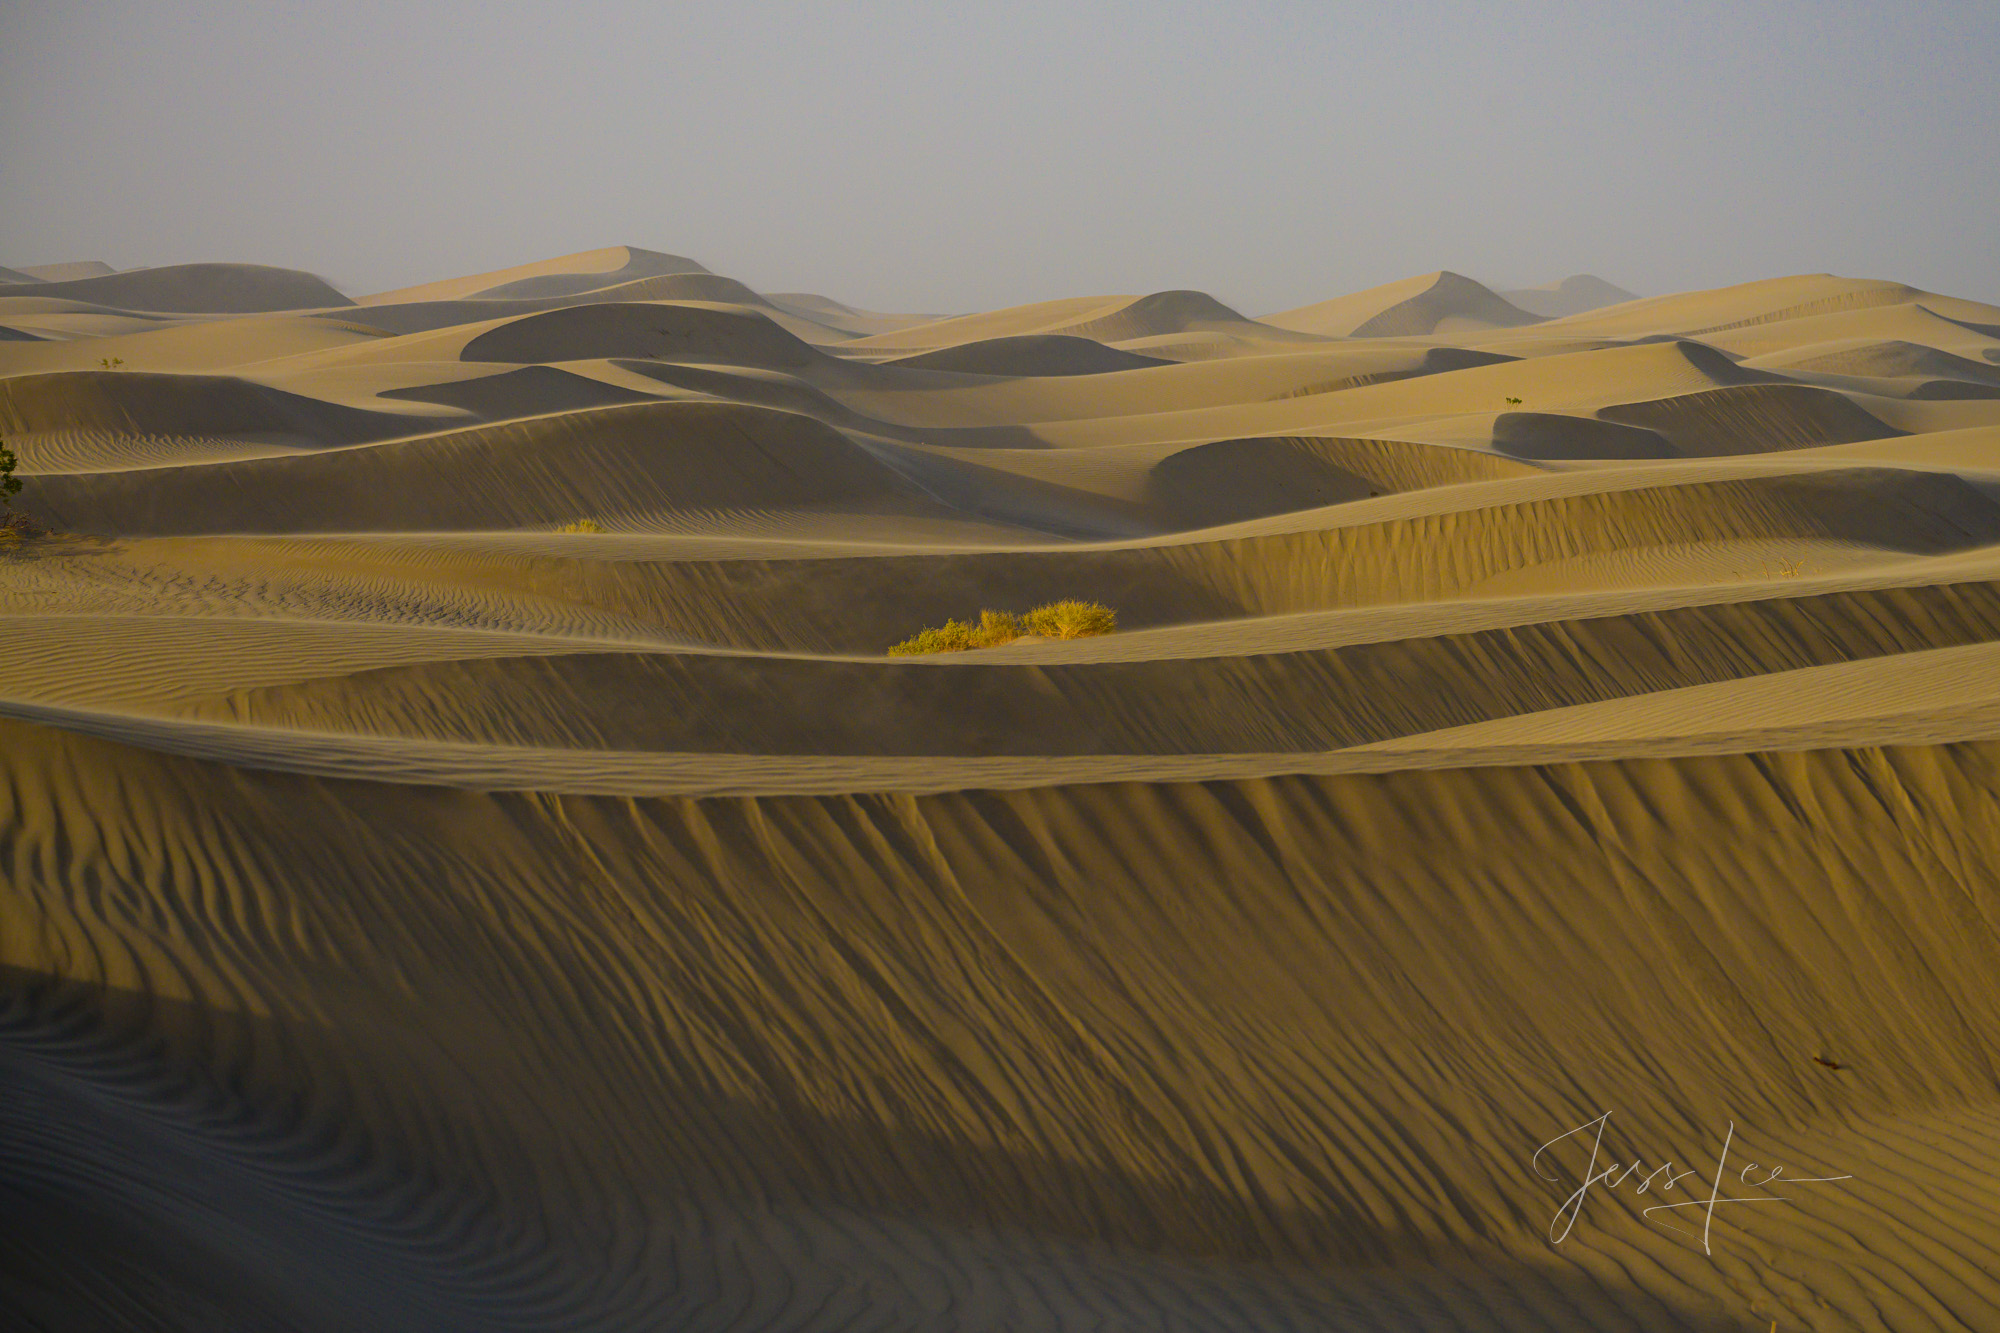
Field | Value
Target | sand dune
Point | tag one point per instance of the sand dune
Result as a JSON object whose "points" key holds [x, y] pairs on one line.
{"points": [[838, 315], [566, 276], [82, 268], [232, 289], [1571, 296], [1755, 304], [705, 289], [419, 916], [1757, 416], [1432, 303], [650, 332], [1030, 355], [1894, 359], [1107, 319], [623, 462]]}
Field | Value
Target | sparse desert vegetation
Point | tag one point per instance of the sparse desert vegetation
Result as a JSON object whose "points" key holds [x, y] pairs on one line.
{"points": [[582, 525], [1071, 620], [1068, 619], [14, 526], [10, 485]]}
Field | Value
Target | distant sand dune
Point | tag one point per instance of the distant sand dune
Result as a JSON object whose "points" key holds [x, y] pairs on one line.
{"points": [[1571, 296], [566, 276], [610, 461], [81, 420], [1751, 418], [652, 332], [82, 268], [1433, 303], [529, 391], [1894, 359], [1031, 355], [1105, 319], [232, 289]]}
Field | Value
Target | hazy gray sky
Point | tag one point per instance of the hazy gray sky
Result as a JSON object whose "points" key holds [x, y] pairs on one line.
{"points": [[933, 156]]}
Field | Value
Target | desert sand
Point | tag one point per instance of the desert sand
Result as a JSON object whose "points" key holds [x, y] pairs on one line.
{"points": [[1525, 708]]}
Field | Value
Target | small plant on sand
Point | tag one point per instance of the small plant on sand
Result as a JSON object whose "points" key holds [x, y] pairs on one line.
{"points": [[1071, 620], [1057, 620], [954, 636], [582, 525], [10, 485], [111, 362], [995, 628], [14, 525], [1513, 402]]}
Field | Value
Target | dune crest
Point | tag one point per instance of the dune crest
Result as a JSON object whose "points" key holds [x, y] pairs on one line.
{"points": [[83, 268], [230, 289], [1571, 296], [1431, 303], [568, 275]]}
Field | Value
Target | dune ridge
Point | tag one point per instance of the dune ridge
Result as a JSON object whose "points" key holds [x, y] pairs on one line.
{"points": [[232, 289], [1570, 296], [1432, 303], [470, 863], [65, 272]]}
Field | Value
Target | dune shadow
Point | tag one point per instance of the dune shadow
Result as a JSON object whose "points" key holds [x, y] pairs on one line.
{"points": [[174, 1166]]}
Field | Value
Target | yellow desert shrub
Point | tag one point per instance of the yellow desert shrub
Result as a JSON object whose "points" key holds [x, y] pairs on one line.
{"points": [[582, 525], [996, 628], [954, 636], [1071, 620], [1057, 620]]}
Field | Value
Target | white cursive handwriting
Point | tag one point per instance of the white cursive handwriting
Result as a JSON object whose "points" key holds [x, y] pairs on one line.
{"points": [[1612, 1175]]}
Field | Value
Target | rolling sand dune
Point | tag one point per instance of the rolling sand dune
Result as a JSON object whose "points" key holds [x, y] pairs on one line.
{"points": [[232, 289], [1894, 359], [1572, 296], [420, 916], [1031, 355], [83, 268], [1756, 304], [837, 315], [649, 332], [1432, 303], [690, 289], [567, 276], [1105, 319]]}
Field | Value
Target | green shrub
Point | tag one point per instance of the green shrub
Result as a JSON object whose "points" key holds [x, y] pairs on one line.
{"points": [[582, 525], [1071, 620], [1057, 620]]}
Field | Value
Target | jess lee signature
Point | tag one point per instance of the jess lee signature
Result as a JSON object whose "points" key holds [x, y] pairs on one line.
{"points": [[1661, 1179]]}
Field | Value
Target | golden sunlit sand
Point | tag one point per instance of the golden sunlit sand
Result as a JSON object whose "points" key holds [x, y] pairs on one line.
{"points": [[471, 861]]}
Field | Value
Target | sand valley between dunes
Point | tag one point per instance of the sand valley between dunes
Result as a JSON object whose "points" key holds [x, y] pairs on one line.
{"points": [[418, 916]]}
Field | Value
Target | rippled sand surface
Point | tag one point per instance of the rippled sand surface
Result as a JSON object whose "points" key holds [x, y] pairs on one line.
{"points": [[416, 916]]}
